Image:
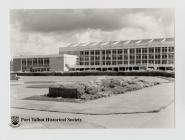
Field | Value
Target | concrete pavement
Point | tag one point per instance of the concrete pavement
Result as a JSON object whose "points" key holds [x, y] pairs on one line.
{"points": [[162, 119], [146, 100], [147, 108]]}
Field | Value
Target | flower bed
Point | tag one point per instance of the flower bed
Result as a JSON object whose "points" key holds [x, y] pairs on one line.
{"points": [[98, 88]]}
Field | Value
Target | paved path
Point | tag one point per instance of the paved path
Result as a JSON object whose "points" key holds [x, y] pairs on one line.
{"points": [[163, 119], [147, 108], [147, 100]]}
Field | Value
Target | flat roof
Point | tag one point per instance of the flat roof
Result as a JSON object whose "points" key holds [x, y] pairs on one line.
{"points": [[120, 43], [41, 56]]}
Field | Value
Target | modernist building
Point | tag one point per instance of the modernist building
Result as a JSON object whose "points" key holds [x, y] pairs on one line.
{"points": [[128, 55], [44, 63], [157, 54]]}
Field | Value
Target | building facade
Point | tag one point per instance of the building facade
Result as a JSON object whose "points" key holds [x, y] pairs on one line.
{"points": [[44, 63], [156, 54], [128, 55]]}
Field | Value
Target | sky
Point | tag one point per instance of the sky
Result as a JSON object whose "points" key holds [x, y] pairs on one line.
{"points": [[43, 31]]}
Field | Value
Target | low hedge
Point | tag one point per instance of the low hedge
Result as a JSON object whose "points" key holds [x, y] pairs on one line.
{"points": [[133, 73]]}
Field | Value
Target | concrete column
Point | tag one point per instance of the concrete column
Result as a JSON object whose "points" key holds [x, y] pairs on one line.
{"points": [[105, 58], [26, 62], [154, 55], [111, 57], [147, 53], [100, 58], [134, 56], [43, 61], [141, 57], [128, 52], [122, 57], [32, 62], [89, 58], [161, 55], [21, 64], [37, 61], [94, 58], [167, 55]]}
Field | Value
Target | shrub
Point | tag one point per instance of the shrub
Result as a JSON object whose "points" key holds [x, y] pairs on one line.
{"points": [[123, 83], [132, 87], [118, 90], [110, 83], [102, 88], [133, 73], [106, 93], [91, 90]]}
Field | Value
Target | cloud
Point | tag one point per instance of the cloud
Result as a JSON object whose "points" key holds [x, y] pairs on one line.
{"points": [[72, 20], [24, 43], [44, 31], [65, 20]]}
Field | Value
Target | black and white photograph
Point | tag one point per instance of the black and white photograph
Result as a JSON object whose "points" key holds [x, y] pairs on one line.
{"points": [[106, 68]]}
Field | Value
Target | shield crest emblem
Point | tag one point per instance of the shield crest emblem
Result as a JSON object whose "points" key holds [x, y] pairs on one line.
{"points": [[14, 121]]}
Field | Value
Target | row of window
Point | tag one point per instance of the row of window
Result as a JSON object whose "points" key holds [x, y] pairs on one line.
{"points": [[131, 62], [40, 69], [117, 55], [35, 69], [125, 57], [35, 61], [131, 50]]}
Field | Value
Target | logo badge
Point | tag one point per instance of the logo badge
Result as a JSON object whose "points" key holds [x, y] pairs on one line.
{"points": [[15, 121]]}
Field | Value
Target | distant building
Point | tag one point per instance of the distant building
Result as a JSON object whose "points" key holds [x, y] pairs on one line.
{"points": [[156, 54], [44, 63], [128, 55]]}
